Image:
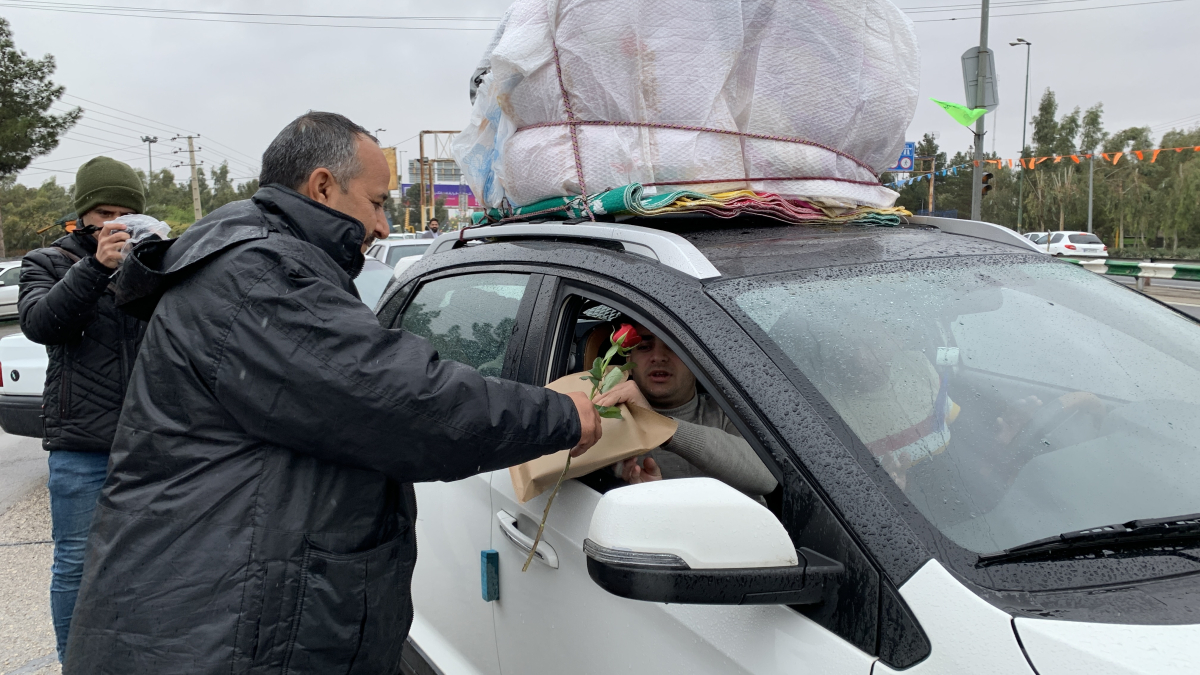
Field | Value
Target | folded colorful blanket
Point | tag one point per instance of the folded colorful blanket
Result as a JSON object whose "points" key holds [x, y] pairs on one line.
{"points": [[632, 200]]}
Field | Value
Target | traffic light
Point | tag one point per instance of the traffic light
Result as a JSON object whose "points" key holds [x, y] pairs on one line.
{"points": [[986, 187]]}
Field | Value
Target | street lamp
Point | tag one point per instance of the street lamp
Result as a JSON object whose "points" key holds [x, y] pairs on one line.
{"points": [[1022, 42], [149, 141]]}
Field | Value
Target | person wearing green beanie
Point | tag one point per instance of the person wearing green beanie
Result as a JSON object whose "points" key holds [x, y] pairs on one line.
{"points": [[66, 304], [105, 181]]}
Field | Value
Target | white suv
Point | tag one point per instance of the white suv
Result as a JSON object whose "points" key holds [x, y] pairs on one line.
{"points": [[947, 504]]}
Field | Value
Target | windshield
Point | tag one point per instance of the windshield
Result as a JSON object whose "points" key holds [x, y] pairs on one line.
{"points": [[1084, 239], [1009, 399], [395, 253]]}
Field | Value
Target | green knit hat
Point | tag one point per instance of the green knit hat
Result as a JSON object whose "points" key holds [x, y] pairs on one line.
{"points": [[105, 181]]}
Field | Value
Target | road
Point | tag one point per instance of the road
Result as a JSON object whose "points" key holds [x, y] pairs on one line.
{"points": [[26, 634], [1182, 295], [1191, 310]]}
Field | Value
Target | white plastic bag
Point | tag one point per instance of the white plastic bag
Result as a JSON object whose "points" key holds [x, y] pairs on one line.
{"points": [[139, 226], [840, 73]]}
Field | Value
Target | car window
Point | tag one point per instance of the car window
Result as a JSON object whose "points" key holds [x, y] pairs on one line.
{"points": [[583, 334], [1041, 239], [11, 276], [372, 281], [1056, 238], [469, 318], [395, 253], [954, 379], [1084, 239]]}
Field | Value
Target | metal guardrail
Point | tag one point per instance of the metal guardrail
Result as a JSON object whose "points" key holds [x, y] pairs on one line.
{"points": [[1140, 270]]}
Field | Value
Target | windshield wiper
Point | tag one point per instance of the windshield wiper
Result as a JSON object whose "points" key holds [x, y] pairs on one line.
{"points": [[1135, 532]]}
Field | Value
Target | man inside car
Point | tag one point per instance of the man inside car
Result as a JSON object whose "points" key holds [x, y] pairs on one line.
{"points": [[706, 442]]}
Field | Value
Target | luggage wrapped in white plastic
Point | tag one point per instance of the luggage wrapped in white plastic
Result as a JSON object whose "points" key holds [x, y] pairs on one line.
{"points": [[832, 82]]}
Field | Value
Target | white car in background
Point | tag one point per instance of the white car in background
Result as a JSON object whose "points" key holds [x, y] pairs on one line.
{"points": [[22, 376], [1066, 243], [10, 275], [389, 251]]}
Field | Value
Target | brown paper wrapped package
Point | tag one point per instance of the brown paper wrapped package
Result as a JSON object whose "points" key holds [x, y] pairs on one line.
{"points": [[639, 431]]}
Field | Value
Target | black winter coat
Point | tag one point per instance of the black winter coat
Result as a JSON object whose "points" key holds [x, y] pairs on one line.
{"points": [[68, 306], [258, 515]]}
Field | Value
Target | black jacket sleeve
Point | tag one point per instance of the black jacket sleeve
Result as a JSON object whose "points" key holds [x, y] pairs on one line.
{"points": [[55, 311], [306, 366]]}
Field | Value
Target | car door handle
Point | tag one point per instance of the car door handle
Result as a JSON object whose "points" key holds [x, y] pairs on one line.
{"points": [[545, 553]]}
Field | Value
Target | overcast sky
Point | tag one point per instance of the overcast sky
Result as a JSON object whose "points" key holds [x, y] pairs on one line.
{"points": [[236, 85]]}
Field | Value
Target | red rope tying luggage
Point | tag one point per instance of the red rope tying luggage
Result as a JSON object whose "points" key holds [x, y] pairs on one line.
{"points": [[572, 123]]}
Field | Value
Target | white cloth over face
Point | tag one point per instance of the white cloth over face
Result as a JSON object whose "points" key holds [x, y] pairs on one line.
{"points": [[840, 73]]}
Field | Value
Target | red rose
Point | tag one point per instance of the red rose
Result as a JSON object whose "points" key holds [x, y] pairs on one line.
{"points": [[628, 334]]}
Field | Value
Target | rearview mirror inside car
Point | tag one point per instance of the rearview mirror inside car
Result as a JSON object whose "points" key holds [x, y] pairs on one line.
{"points": [[699, 541]]}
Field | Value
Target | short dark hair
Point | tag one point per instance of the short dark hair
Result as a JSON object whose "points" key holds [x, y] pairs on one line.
{"points": [[435, 220], [313, 141]]}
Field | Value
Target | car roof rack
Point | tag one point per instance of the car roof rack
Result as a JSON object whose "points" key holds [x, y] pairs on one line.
{"points": [[676, 252], [667, 248], [974, 228]]}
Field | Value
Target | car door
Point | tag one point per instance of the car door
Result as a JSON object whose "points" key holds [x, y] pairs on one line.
{"points": [[9, 286], [554, 618], [1056, 243], [478, 319]]}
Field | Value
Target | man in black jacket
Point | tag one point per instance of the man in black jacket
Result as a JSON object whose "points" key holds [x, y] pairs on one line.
{"points": [[65, 303], [259, 516]]}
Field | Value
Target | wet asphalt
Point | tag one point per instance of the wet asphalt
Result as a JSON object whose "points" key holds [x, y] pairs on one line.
{"points": [[26, 634]]}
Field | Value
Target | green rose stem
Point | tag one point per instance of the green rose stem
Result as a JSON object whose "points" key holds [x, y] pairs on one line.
{"points": [[601, 382]]}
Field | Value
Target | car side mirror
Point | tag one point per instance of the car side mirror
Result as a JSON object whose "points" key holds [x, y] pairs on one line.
{"points": [[698, 541]]}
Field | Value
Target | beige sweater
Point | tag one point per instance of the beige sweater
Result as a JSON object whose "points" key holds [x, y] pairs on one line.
{"points": [[708, 445]]}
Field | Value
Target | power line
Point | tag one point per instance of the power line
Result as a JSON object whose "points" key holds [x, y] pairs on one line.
{"points": [[252, 159], [125, 112], [91, 154], [131, 14], [1057, 11], [42, 165], [165, 130], [103, 130], [90, 116], [956, 7], [276, 15], [1172, 123], [96, 112]]}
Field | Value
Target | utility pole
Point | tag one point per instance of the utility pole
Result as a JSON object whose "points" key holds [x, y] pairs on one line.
{"points": [[980, 102], [195, 180], [1091, 173], [1024, 126], [149, 141], [441, 152]]}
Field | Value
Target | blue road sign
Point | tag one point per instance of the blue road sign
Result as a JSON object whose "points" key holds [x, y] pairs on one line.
{"points": [[907, 158]]}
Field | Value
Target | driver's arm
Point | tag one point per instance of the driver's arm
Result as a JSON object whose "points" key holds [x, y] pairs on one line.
{"points": [[710, 442], [721, 452]]}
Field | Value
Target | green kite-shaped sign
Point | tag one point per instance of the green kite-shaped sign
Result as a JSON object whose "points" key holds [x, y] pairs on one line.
{"points": [[961, 113]]}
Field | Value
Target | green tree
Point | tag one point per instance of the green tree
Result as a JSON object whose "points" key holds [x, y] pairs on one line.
{"points": [[223, 190], [1146, 203], [27, 128], [30, 214]]}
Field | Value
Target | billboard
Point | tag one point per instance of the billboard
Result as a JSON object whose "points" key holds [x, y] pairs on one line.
{"points": [[449, 192], [390, 155]]}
